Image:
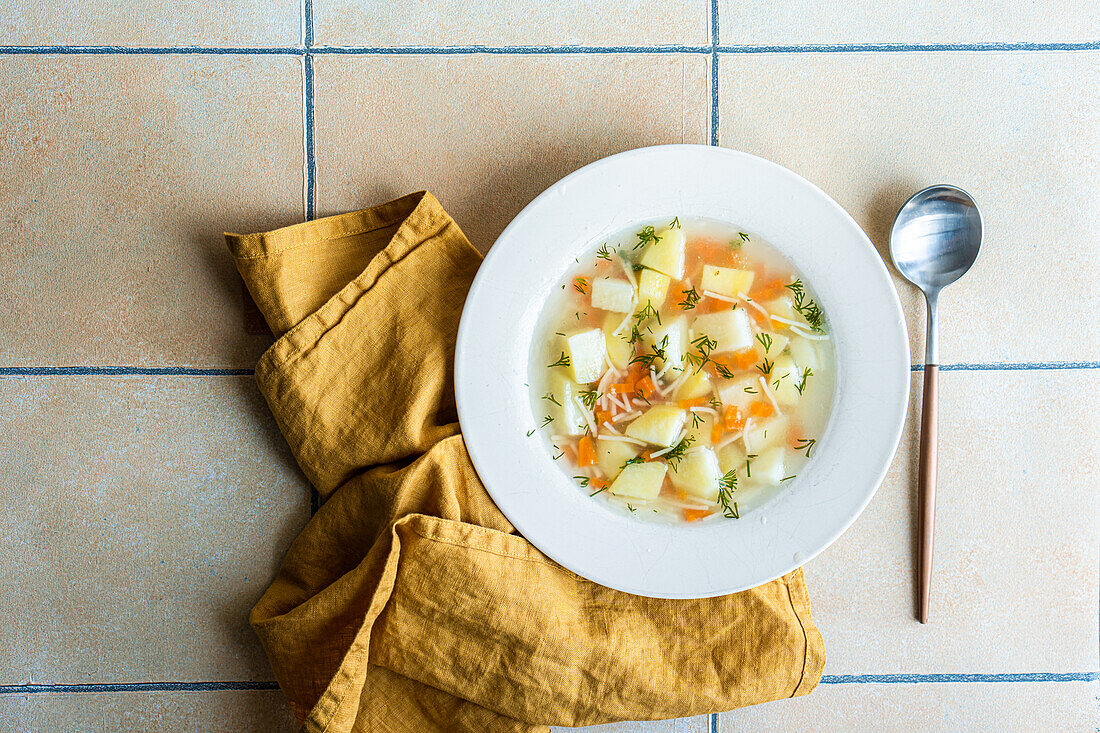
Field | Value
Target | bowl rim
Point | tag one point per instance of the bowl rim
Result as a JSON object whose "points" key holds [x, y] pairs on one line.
{"points": [[464, 365]]}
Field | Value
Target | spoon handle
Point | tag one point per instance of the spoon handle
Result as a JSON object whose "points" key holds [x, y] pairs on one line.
{"points": [[927, 485]]}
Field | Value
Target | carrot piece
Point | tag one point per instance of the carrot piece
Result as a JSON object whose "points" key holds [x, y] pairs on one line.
{"points": [[734, 419], [692, 515], [744, 359], [586, 451], [716, 432], [761, 408], [681, 495], [597, 483], [622, 388], [645, 387], [582, 284], [693, 402], [602, 416]]}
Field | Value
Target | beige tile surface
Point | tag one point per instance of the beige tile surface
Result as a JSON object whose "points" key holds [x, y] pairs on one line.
{"points": [[151, 23], [1006, 707], [143, 518], [698, 724], [487, 133], [178, 712], [1017, 538], [938, 21], [1019, 131], [458, 23], [118, 175]]}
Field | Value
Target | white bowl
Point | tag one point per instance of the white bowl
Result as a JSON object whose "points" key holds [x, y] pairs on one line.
{"points": [[529, 260]]}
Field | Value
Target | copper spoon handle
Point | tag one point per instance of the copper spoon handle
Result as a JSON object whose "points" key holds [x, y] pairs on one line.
{"points": [[927, 485]]}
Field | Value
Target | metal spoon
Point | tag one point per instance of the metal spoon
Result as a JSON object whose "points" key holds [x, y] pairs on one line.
{"points": [[934, 241]]}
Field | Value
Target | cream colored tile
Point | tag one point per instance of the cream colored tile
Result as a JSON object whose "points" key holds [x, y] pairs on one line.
{"points": [[120, 174], [457, 23], [152, 23], [1006, 707], [179, 712], [1019, 131], [1017, 538], [487, 133], [939, 21], [144, 519], [698, 724]]}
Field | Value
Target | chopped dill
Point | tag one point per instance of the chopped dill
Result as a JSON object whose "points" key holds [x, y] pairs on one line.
{"points": [[806, 307], [765, 340], [750, 390], [648, 235], [691, 298], [788, 478], [675, 224], [696, 420], [646, 313], [806, 444], [765, 367], [806, 374], [530, 432], [559, 333], [563, 361], [604, 252], [602, 488], [550, 396], [723, 370], [579, 284], [546, 420], [704, 346], [631, 508], [582, 480], [674, 456], [726, 486], [589, 397], [632, 461], [744, 237]]}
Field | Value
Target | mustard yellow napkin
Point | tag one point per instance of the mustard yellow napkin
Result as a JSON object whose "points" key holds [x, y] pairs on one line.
{"points": [[409, 603]]}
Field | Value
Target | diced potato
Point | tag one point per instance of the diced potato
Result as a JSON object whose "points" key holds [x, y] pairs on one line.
{"points": [[804, 353], [660, 425], [619, 350], [699, 427], [587, 351], [613, 295], [696, 384], [740, 392], [785, 379], [698, 474], [667, 254], [731, 457], [767, 468], [568, 418], [612, 454], [730, 329], [652, 288], [640, 480], [726, 280], [767, 432], [770, 346], [784, 308], [672, 339]]}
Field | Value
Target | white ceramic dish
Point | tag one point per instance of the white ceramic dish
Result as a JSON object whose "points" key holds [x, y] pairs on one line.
{"points": [[529, 259]]}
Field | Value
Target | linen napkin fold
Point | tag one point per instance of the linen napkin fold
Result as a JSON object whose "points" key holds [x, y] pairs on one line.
{"points": [[409, 603]]}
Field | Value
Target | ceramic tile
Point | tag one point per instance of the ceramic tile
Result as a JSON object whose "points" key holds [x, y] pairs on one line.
{"points": [[938, 21], [119, 175], [1017, 543], [487, 133], [179, 712], [871, 129], [151, 23], [1007, 707], [143, 519], [698, 724], [457, 23]]}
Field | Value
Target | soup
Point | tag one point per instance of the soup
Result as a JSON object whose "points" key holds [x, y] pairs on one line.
{"points": [[682, 371]]}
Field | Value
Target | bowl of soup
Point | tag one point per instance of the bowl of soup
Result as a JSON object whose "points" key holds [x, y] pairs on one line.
{"points": [[682, 371]]}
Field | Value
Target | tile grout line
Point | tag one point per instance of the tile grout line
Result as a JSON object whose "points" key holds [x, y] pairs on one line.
{"points": [[714, 72], [186, 371], [711, 49], [893, 678]]}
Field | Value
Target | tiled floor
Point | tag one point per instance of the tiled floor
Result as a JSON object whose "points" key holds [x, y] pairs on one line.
{"points": [[148, 497]]}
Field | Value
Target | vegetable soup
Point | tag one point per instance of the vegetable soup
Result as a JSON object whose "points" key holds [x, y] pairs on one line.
{"points": [[682, 371]]}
